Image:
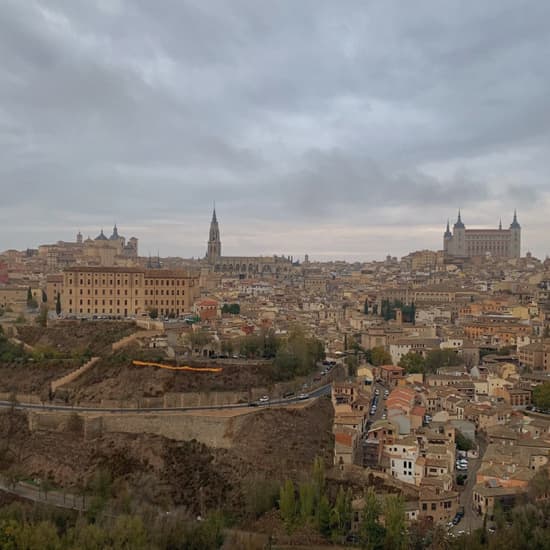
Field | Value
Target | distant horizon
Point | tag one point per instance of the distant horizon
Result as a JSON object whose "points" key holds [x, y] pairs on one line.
{"points": [[252, 247]]}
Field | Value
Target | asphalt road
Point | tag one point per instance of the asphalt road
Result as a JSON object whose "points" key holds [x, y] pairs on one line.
{"points": [[323, 390], [471, 521], [381, 402]]}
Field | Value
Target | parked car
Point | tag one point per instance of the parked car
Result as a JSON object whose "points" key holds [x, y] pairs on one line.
{"points": [[264, 399], [288, 394], [303, 396]]}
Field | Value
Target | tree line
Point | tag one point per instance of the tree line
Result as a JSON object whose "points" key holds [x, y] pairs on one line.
{"points": [[415, 363], [388, 309], [293, 354], [309, 504]]}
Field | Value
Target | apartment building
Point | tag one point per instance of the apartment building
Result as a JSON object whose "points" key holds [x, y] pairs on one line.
{"points": [[127, 291]]}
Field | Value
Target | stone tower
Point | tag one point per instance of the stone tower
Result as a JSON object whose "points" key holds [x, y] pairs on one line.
{"points": [[515, 230], [447, 240], [459, 237], [214, 249]]}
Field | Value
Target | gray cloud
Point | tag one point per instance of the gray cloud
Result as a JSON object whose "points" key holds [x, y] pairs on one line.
{"points": [[303, 115]]}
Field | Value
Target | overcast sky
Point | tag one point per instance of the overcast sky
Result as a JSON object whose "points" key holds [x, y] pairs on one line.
{"points": [[342, 129]]}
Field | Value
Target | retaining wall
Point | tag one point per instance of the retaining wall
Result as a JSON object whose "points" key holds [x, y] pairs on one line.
{"points": [[212, 430]]}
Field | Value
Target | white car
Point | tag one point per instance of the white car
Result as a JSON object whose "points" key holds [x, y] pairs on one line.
{"points": [[303, 396], [264, 399]]}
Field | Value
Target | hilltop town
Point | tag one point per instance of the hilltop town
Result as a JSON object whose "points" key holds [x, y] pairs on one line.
{"points": [[426, 377]]}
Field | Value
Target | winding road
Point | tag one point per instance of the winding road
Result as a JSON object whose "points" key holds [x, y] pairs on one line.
{"points": [[323, 390]]}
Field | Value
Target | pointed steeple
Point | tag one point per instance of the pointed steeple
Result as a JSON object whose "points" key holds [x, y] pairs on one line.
{"points": [[500, 224], [115, 234], [459, 224], [448, 230], [515, 224], [214, 247]]}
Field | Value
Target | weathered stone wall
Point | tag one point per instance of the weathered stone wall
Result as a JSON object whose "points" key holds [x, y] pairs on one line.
{"points": [[123, 342], [150, 324], [74, 374], [21, 398], [210, 429]]}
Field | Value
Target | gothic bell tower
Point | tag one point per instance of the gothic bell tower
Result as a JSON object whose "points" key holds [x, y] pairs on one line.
{"points": [[214, 249]]}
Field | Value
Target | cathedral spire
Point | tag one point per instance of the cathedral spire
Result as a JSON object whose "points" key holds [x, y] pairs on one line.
{"points": [[448, 230], [515, 223], [214, 248], [459, 224], [500, 224]]}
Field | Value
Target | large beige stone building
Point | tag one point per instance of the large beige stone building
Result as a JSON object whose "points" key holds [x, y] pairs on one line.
{"points": [[13, 297], [469, 243], [127, 291], [101, 251]]}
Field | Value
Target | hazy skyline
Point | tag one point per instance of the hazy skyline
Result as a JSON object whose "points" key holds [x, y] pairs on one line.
{"points": [[346, 130]]}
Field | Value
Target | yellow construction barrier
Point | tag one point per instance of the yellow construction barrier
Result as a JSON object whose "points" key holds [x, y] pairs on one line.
{"points": [[171, 367]]}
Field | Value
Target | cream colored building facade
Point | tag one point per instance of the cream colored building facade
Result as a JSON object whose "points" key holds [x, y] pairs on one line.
{"points": [[13, 297], [101, 251], [127, 291]]}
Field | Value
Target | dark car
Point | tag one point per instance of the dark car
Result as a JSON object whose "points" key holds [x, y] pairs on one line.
{"points": [[288, 394], [458, 516]]}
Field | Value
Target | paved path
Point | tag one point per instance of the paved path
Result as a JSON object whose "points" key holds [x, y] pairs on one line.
{"points": [[53, 498]]}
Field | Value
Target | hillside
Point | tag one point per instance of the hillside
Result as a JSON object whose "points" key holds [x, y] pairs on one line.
{"points": [[270, 445]]}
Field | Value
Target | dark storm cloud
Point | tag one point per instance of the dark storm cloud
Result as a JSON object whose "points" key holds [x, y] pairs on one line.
{"points": [[337, 112]]}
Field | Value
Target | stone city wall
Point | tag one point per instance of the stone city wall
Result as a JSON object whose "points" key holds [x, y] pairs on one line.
{"points": [[212, 430]]}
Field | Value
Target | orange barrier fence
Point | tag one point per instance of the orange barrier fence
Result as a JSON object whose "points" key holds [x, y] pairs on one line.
{"points": [[171, 367]]}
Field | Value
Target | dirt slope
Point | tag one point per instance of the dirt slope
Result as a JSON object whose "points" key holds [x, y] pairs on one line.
{"points": [[272, 444]]}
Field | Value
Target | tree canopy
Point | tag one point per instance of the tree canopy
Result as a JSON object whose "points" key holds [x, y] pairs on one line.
{"points": [[541, 396]]}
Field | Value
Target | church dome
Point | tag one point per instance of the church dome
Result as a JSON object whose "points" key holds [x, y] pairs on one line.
{"points": [[115, 236], [101, 237]]}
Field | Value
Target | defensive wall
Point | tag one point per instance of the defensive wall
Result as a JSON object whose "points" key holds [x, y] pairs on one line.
{"points": [[215, 429]]}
